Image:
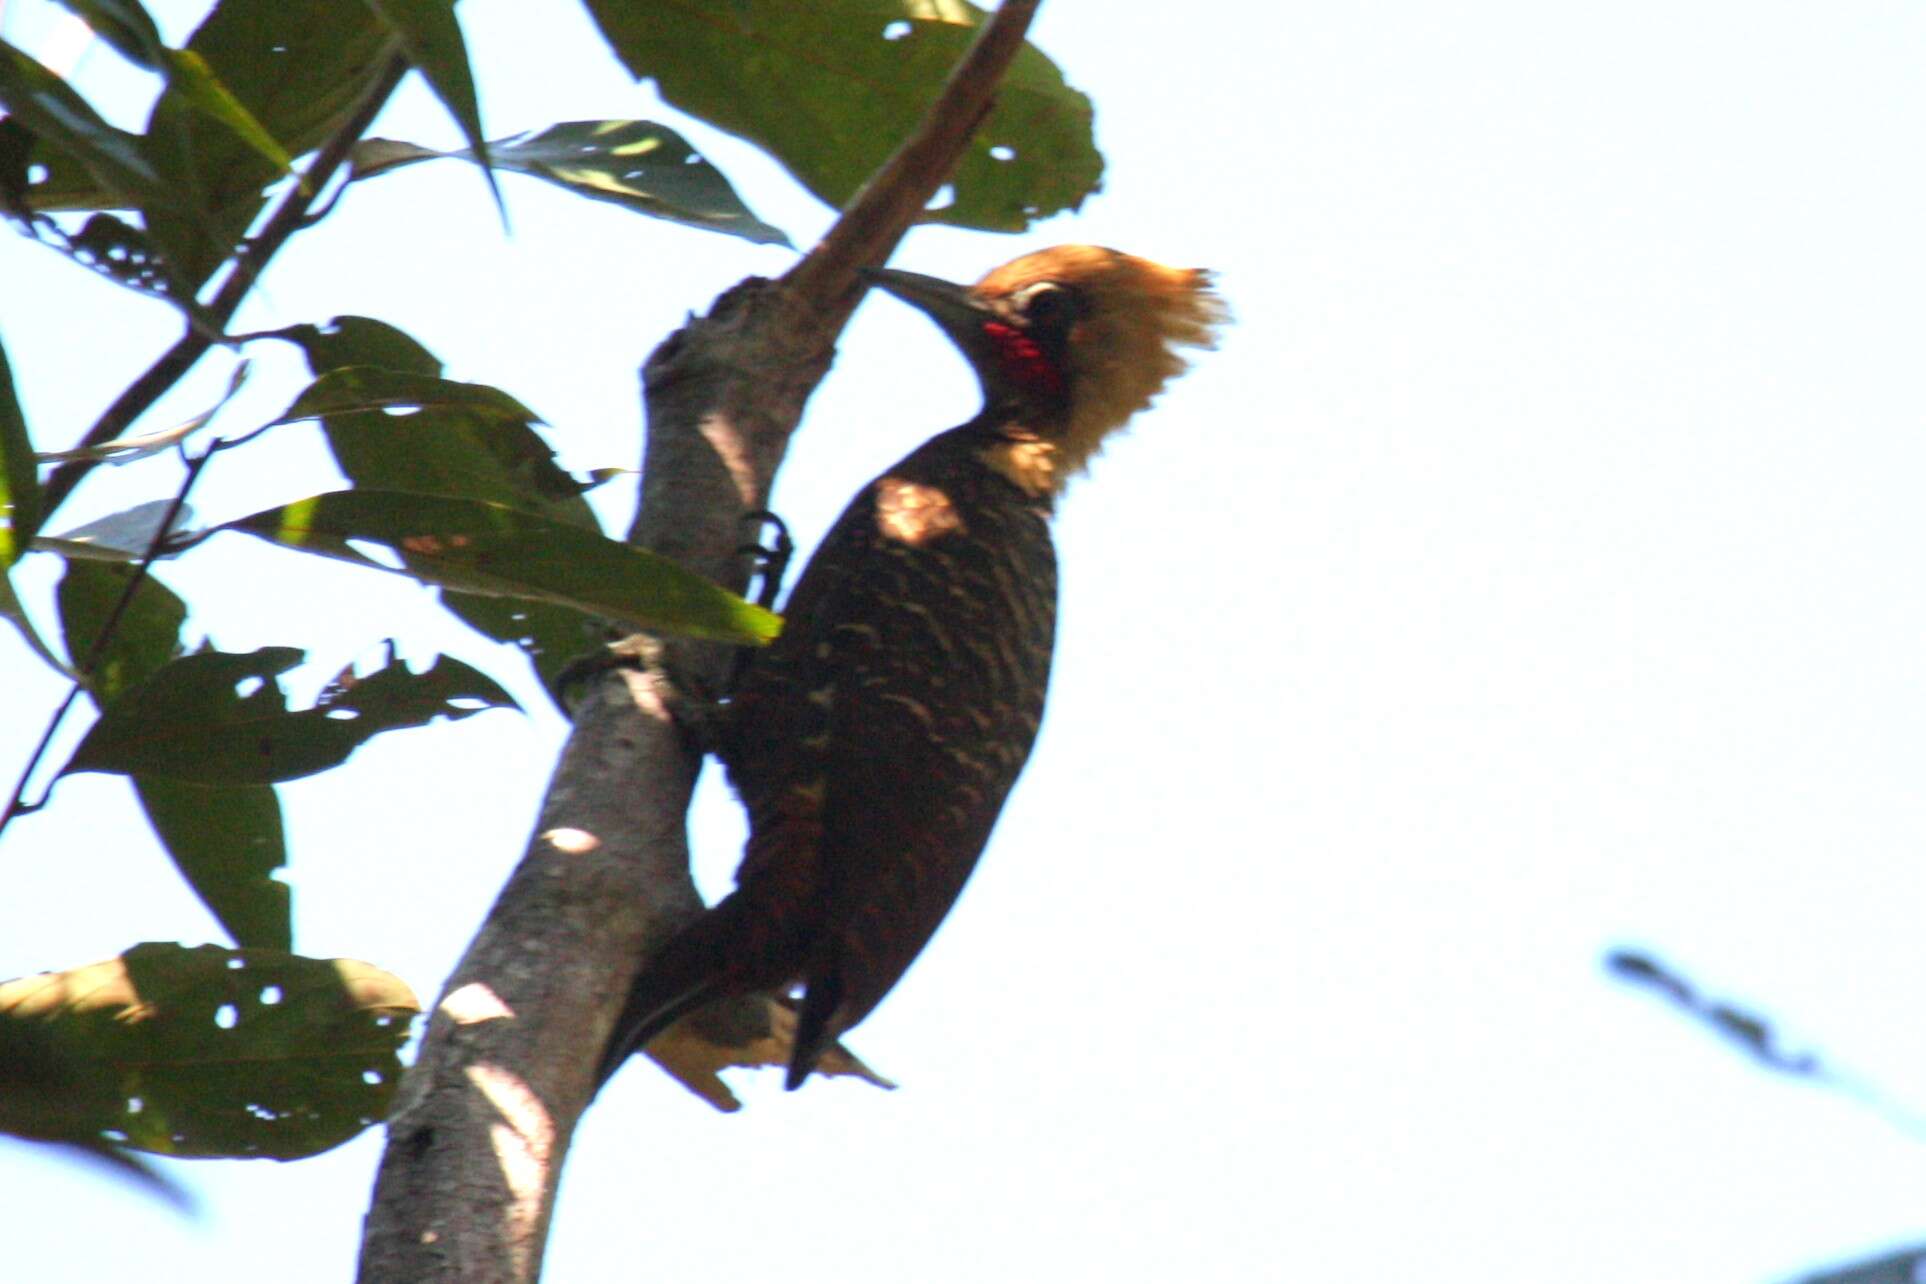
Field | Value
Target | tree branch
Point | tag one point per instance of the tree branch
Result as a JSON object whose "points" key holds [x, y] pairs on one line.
{"points": [[483, 1120]]}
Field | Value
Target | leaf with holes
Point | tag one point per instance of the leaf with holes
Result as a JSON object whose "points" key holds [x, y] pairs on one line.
{"points": [[226, 841], [50, 1095], [490, 548], [831, 88], [637, 164], [392, 430], [219, 718], [547, 634], [212, 1052]]}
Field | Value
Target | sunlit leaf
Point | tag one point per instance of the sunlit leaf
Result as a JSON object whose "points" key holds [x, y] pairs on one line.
{"points": [[50, 1095], [483, 547], [19, 484], [637, 164], [832, 87], [221, 718], [219, 1052]]}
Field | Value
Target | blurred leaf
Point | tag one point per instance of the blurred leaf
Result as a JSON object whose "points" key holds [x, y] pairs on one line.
{"points": [[189, 76], [118, 537], [146, 638], [124, 450], [358, 341], [118, 251], [637, 164], [19, 483], [45, 104], [831, 88], [220, 718], [218, 1052], [49, 1095], [1907, 1266], [19, 509], [391, 430], [431, 34], [225, 841], [125, 25], [297, 68], [490, 548], [16, 615]]}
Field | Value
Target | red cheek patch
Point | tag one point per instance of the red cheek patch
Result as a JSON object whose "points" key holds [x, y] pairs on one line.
{"points": [[1023, 362]]}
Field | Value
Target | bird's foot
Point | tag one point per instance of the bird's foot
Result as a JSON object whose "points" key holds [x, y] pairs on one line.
{"points": [[696, 710], [767, 561]]}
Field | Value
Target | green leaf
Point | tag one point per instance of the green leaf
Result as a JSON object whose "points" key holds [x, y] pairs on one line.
{"points": [[489, 548], [16, 614], [125, 25], [225, 841], [19, 482], [122, 537], [44, 103], [430, 33], [831, 88], [48, 1094], [217, 1052], [391, 430], [637, 164], [146, 638], [219, 718], [189, 75], [297, 68], [358, 341], [549, 635]]}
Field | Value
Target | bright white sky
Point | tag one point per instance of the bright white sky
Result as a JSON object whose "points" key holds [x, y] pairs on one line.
{"points": [[1536, 569]]}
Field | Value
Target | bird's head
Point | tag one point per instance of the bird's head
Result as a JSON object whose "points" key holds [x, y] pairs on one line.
{"points": [[1069, 343]]}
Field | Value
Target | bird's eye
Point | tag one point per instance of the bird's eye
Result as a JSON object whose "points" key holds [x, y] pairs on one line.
{"points": [[1045, 305]]}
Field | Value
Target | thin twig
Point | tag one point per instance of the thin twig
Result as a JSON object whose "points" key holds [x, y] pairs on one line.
{"points": [[16, 804]]}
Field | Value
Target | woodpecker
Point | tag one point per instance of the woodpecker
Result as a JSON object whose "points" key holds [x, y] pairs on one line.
{"points": [[873, 743]]}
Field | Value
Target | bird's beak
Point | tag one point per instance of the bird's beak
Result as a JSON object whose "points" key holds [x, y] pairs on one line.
{"points": [[945, 302]]}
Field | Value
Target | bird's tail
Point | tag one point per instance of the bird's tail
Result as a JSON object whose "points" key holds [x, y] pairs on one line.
{"points": [[691, 971], [815, 1028]]}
